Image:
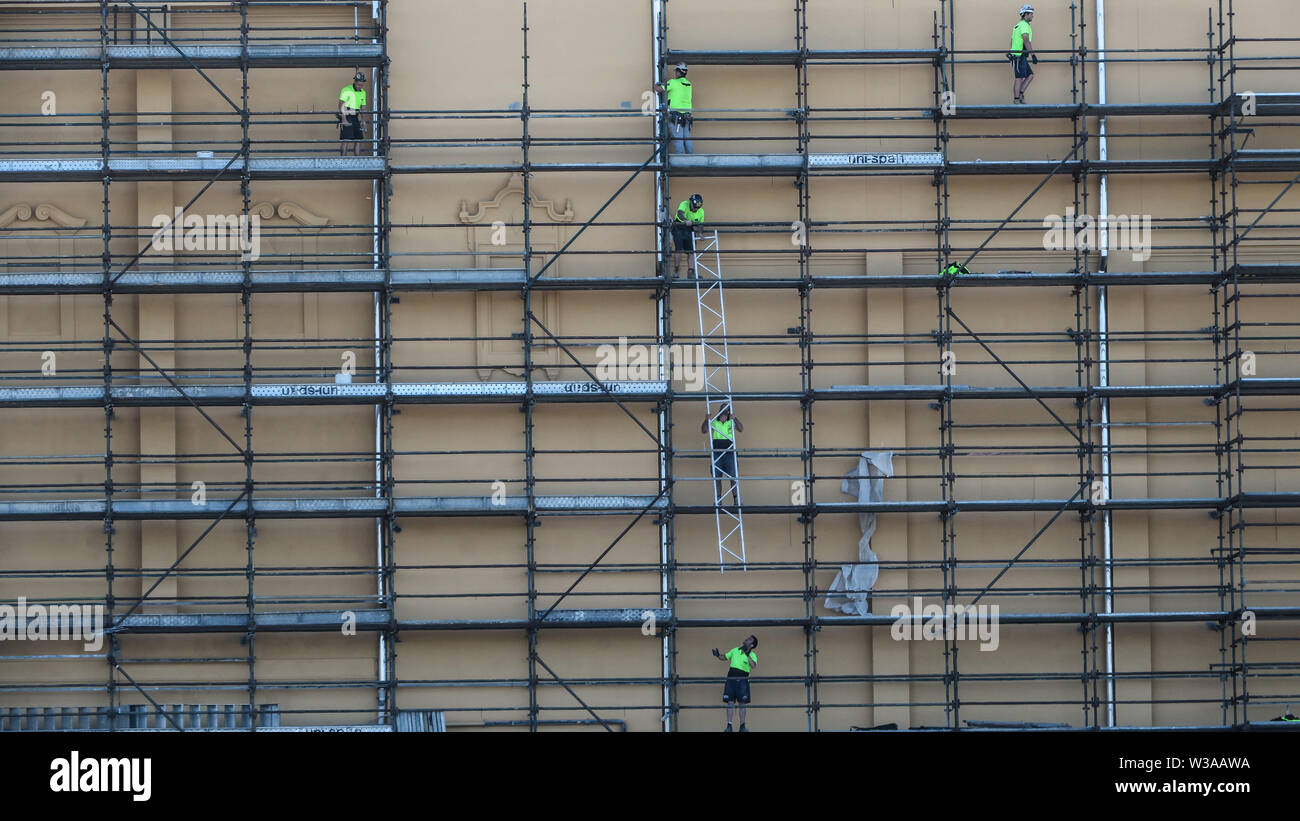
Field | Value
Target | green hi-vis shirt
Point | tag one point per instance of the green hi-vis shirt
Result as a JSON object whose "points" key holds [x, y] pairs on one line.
{"points": [[1019, 34], [740, 660], [685, 214], [723, 430], [679, 93], [354, 98]]}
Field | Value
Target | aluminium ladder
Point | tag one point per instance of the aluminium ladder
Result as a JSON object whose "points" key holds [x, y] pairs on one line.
{"points": [[707, 261]]}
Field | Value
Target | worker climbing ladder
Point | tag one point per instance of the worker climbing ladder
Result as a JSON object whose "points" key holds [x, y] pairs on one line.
{"points": [[707, 263]]}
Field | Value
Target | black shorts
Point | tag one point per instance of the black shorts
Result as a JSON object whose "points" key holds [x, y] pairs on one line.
{"points": [[724, 460], [1021, 65], [683, 238], [350, 131], [736, 690]]}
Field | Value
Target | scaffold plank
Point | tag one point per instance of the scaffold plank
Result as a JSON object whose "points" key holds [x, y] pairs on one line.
{"points": [[378, 619], [580, 391], [322, 508], [183, 56], [370, 507], [140, 169], [369, 280], [230, 281], [792, 57], [717, 165], [329, 393]]}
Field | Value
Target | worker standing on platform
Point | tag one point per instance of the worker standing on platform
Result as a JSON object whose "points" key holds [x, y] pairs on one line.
{"points": [[688, 219], [352, 100], [723, 429], [1022, 51], [735, 693], [680, 100]]}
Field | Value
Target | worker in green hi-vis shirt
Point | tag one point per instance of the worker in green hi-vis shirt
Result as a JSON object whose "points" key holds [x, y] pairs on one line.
{"points": [[740, 660], [680, 101], [723, 428], [1022, 51], [352, 100], [688, 219]]}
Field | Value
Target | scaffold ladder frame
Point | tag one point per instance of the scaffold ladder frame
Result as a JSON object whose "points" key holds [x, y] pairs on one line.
{"points": [[706, 262]]}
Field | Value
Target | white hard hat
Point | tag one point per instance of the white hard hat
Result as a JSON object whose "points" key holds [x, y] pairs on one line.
{"points": [[681, 67], [1026, 9]]}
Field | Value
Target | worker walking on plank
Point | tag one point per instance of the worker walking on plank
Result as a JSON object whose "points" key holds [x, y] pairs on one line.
{"points": [[688, 219], [352, 101], [1022, 51], [723, 428], [680, 100], [735, 693]]}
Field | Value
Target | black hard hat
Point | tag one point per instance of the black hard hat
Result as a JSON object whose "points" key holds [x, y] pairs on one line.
{"points": [[696, 200], [359, 78]]}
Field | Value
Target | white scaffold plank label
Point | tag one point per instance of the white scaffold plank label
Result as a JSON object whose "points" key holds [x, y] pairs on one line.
{"points": [[890, 159], [626, 387], [327, 389]]}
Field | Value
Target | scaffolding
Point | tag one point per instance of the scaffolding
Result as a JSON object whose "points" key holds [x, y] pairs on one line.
{"points": [[929, 145]]}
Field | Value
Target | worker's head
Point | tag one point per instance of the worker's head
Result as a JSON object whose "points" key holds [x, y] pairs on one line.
{"points": [[681, 69], [1027, 12], [724, 412], [696, 201], [749, 643], [358, 80]]}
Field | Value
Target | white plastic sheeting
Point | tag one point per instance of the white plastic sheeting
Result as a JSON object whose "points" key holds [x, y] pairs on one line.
{"points": [[848, 592]]}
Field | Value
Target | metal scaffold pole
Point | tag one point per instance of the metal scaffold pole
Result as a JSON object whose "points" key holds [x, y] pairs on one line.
{"points": [[1232, 558], [947, 365], [106, 233], [807, 450], [382, 192], [246, 303], [530, 518], [664, 333], [1083, 352], [1103, 379]]}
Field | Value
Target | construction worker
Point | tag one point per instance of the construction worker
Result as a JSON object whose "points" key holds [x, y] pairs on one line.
{"points": [[723, 428], [688, 219], [1022, 51], [352, 100], [741, 660], [680, 100]]}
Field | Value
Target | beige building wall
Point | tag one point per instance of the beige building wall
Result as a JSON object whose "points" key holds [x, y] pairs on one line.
{"points": [[593, 55]]}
